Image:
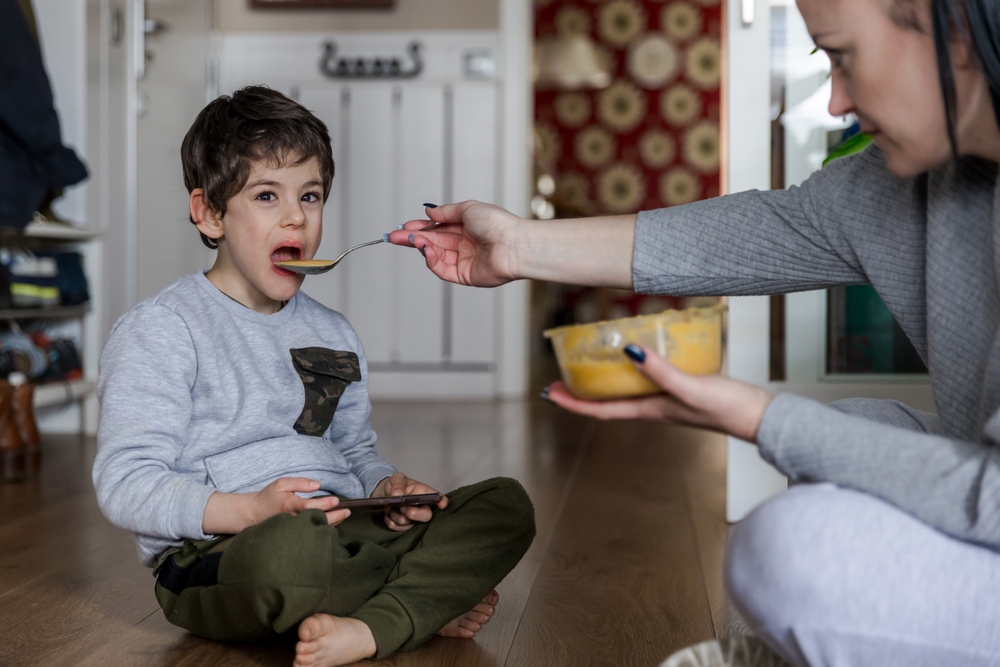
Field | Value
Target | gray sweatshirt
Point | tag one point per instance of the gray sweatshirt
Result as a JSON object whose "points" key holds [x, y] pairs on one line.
{"points": [[200, 394], [930, 246]]}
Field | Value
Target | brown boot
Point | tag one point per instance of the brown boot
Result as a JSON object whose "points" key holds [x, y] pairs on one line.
{"points": [[24, 417], [12, 450]]}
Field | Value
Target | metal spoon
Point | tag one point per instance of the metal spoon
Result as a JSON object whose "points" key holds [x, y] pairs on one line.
{"points": [[314, 267]]}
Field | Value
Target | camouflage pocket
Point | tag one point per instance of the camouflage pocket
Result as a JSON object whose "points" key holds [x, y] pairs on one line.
{"points": [[325, 375]]}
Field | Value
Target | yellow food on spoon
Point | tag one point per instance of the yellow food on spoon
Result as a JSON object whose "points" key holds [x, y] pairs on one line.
{"points": [[303, 262]]}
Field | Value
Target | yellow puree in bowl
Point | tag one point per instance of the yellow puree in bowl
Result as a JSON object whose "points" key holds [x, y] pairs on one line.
{"points": [[696, 349]]}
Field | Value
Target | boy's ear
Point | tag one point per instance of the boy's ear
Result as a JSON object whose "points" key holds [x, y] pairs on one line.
{"points": [[206, 219]]}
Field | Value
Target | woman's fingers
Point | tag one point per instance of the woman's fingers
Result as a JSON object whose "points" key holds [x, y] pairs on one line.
{"points": [[632, 408]]}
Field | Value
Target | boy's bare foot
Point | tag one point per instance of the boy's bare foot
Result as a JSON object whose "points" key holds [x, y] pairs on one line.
{"points": [[472, 621], [328, 641]]}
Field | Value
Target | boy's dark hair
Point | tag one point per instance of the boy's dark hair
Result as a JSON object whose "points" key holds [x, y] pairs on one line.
{"points": [[254, 124]]}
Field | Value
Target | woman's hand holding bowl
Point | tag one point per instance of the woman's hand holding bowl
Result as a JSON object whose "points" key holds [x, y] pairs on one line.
{"points": [[707, 401]]}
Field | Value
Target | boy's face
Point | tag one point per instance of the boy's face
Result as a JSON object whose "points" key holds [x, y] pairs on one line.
{"points": [[277, 216]]}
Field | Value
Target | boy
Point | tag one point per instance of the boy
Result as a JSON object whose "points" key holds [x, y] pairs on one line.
{"points": [[230, 481]]}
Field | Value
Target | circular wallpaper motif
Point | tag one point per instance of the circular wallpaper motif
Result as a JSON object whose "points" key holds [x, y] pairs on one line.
{"points": [[572, 109], [703, 63], [681, 20], [657, 149], [679, 186], [621, 106], [619, 21], [547, 145], [621, 188], [574, 189], [572, 21], [594, 147], [701, 147], [679, 105], [652, 61]]}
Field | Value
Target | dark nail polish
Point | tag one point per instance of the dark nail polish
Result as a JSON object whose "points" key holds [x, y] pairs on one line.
{"points": [[635, 353], [545, 396], [426, 205], [410, 239], [423, 251]]}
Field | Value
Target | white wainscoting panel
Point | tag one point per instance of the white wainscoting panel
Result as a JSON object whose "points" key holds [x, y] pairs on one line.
{"points": [[397, 143]]}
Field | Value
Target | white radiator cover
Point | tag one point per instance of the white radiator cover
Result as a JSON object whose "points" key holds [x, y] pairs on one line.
{"points": [[398, 143]]}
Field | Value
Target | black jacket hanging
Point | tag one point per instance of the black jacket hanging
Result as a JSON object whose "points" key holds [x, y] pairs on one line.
{"points": [[33, 160]]}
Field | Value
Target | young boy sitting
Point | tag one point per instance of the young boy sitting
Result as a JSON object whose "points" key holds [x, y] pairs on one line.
{"points": [[235, 412]]}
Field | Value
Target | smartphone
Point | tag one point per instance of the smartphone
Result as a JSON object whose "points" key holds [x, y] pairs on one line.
{"points": [[391, 501]]}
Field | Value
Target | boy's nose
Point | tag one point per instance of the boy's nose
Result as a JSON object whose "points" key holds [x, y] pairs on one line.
{"points": [[295, 217]]}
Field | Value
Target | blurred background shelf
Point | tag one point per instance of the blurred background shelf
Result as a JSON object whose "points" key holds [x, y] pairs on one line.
{"points": [[55, 312], [58, 232], [61, 393]]}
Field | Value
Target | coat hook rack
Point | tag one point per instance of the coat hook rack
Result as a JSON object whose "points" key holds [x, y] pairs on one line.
{"points": [[379, 67]]}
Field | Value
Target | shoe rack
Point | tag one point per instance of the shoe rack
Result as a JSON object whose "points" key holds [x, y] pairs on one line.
{"points": [[50, 236]]}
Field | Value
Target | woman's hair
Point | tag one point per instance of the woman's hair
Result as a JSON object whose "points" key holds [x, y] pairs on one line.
{"points": [[977, 23], [255, 124]]}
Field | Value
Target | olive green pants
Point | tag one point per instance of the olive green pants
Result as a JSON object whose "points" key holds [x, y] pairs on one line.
{"points": [[263, 582]]}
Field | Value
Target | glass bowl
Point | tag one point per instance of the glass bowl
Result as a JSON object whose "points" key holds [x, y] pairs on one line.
{"points": [[594, 366]]}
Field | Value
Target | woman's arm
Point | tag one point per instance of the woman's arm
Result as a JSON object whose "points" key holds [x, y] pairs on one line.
{"points": [[480, 244], [821, 234], [872, 446], [880, 447]]}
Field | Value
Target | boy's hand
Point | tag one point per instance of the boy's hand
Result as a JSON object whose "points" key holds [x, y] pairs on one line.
{"points": [[229, 513], [403, 518], [279, 497]]}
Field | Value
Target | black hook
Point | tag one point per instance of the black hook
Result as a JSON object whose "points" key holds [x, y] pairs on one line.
{"points": [[379, 67]]}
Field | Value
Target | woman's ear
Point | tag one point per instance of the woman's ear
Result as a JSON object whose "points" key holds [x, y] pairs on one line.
{"points": [[205, 218]]}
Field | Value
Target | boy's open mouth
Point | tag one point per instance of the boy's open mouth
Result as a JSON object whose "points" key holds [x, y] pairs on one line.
{"points": [[283, 254]]}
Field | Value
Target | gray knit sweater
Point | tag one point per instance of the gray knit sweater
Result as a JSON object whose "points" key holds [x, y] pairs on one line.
{"points": [[200, 394], [930, 246]]}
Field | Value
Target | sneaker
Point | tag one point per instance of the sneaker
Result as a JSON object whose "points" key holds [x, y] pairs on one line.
{"points": [[728, 652]]}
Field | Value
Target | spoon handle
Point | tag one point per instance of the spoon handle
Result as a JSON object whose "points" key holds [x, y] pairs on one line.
{"points": [[350, 250]]}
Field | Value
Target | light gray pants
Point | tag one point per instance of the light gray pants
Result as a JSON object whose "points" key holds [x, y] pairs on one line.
{"points": [[830, 577]]}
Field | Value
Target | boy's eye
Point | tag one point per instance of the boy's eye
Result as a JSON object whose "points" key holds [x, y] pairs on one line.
{"points": [[265, 196], [311, 197]]}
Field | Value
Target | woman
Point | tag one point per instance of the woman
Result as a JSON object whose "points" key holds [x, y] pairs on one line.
{"points": [[895, 562]]}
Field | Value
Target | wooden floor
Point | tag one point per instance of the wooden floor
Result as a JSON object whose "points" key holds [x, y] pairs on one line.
{"points": [[625, 569]]}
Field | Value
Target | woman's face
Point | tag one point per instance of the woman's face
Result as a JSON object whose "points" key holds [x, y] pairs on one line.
{"points": [[886, 74]]}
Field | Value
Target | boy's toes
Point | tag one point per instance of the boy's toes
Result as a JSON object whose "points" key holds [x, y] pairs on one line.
{"points": [[492, 598], [310, 629], [469, 624], [303, 660], [453, 629], [485, 609]]}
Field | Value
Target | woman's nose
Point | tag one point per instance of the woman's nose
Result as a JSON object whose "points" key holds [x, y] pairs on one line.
{"points": [[841, 103]]}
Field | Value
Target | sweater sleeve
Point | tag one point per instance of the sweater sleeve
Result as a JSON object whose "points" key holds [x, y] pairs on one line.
{"points": [[148, 367], [888, 450], [352, 431], [778, 241]]}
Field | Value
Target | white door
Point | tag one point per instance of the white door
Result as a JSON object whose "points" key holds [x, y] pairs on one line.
{"points": [[768, 46], [170, 92], [397, 145]]}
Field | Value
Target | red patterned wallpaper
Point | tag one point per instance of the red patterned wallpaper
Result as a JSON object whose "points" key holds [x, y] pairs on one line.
{"points": [[651, 139]]}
